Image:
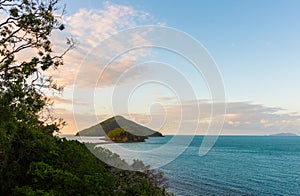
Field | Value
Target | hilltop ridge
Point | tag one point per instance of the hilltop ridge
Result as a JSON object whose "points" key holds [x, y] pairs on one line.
{"points": [[120, 129], [284, 134]]}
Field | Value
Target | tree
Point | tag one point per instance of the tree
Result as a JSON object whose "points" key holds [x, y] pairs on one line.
{"points": [[26, 29]]}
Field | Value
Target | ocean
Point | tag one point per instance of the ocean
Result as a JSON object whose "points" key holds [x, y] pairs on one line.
{"points": [[236, 165]]}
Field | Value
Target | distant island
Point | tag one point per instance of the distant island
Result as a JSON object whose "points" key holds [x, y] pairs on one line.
{"points": [[284, 134], [120, 129]]}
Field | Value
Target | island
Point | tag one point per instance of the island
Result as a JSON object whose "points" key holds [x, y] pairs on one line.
{"points": [[120, 129], [284, 134]]}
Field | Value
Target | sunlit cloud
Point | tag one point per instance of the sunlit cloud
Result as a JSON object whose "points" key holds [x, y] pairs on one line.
{"points": [[91, 27], [59, 100], [240, 118], [72, 127]]}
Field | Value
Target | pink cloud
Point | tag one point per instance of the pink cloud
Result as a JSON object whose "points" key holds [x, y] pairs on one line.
{"points": [[89, 28]]}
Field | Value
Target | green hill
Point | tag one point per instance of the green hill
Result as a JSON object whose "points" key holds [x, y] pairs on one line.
{"points": [[103, 128]]}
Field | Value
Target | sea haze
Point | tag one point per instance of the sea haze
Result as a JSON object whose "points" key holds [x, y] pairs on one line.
{"points": [[236, 165]]}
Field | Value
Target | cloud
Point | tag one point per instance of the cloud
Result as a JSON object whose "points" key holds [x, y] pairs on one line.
{"points": [[241, 118], [84, 120], [87, 60], [259, 119], [165, 99], [62, 101], [92, 26]]}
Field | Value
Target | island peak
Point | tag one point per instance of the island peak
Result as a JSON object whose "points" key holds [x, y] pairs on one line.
{"points": [[120, 129], [284, 134]]}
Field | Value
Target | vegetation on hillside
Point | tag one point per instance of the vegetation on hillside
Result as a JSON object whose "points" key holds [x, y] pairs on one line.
{"points": [[121, 135], [32, 160], [60, 167]]}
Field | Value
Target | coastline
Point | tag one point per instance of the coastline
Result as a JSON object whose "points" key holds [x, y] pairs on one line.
{"points": [[94, 139]]}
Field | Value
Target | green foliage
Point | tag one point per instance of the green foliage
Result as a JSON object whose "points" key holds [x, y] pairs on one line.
{"points": [[60, 167], [109, 157], [28, 191], [121, 135]]}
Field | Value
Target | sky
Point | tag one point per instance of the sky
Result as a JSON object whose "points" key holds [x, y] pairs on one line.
{"points": [[254, 46]]}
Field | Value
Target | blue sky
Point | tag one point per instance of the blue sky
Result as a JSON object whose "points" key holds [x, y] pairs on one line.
{"points": [[255, 44]]}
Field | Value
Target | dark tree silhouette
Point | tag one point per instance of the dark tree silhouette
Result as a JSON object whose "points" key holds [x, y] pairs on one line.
{"points": [[27, 30]]}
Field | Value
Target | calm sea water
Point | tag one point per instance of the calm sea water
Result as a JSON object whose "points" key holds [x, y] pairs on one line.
{"points": [[236, 165]]}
